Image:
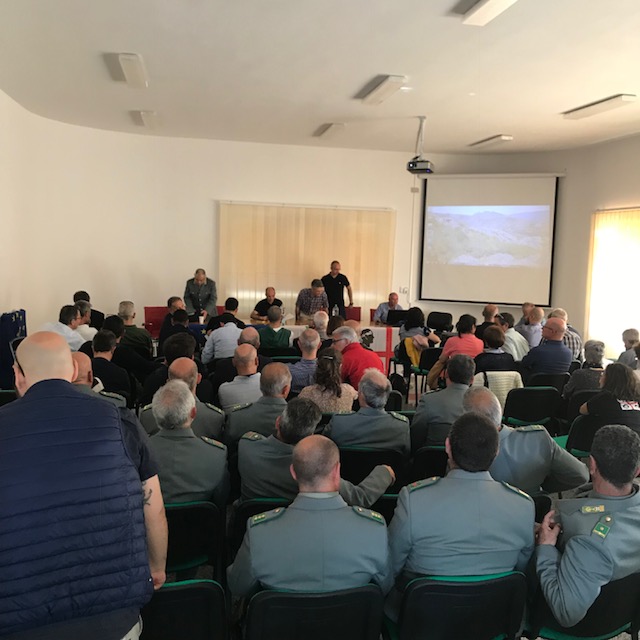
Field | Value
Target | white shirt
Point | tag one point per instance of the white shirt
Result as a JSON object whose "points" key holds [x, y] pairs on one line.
{"points": [[221, 343], [73, 338], [87, 332], [515, 344]]}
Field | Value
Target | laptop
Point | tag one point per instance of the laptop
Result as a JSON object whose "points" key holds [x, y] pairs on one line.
{"points": [[395, 317]]}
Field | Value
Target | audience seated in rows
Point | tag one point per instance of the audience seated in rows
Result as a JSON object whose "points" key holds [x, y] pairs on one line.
{"points": [[229, 314], [209, 420], [355, 358], [69, 319], [571, 338], [303, 371], [138, 338], [371, 427], [631, 339], [84, 381], [274, 335], [489, 313], [494, 357], [328, 391], [514, 343], [173, 304], [190, 467], [84, 328], [530, 325], [221, 342], [588, 377], [180, 324], [264, 462], [97, 317], [114, 378], [550, 356]]}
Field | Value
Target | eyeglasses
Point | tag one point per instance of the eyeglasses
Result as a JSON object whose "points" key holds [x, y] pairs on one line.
{"points": [[338, 340]]}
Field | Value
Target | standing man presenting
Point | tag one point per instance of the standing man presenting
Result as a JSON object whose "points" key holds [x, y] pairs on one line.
{"points": [[200, 296], [334, 284]]}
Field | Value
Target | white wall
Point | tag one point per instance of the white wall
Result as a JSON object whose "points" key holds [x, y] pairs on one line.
{"points": [[128, 216]]}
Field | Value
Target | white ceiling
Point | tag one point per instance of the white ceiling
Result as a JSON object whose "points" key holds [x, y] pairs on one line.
{"points": [[275, 70]]}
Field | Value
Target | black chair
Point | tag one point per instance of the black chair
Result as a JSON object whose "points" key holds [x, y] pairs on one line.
{"points": [[427, 359], [428, 462], [243, 511], [616, 609], [574, 366], [352, 614], [394, 403], [196, 538], [440, 321], [532, 405], [356, 463], [542, 503], [580, 438], [385, 505], [448, 608], [576, 400], [557, 380], [7, 396], [194, 609]]}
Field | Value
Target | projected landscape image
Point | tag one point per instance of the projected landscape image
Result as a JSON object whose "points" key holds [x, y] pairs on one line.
{"points": [[487, 235]]}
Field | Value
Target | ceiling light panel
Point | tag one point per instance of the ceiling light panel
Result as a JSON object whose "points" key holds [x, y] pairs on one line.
{"points": [[133, 69], [483, 12], [384, 89], [600, 106], [493, 141], [330, 130]]}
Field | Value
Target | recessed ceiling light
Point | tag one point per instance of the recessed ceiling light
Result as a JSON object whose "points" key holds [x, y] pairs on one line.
{"points": [[329, 130], [384, 89], [484, 11], [492, 141], [149, 119], [600, 106]]}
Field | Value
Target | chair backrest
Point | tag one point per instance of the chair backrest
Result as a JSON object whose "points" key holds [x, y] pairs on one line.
{"points": [[440, 321], [428, 462], [356, 463], [372, 312], [243, 511], [531, 405], [617, 607], [7, 396], [542, 504], [575, 365], [153, 318], [557, 380], [193, 609], [429, 357], [385, 505], [394, 403], [576, 400], [480, 607], [353, 313], [581, 433], [288, 354], [196, 537], [352, 614]]}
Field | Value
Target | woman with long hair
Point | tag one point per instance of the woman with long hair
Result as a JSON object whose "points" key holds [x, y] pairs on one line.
{"points": [[329, 392]]}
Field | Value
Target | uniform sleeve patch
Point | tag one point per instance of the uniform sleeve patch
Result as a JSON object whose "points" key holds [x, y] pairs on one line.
{"points": [[214, 408], [531, 427], [266, 516], [252, 435], [420, 484], [399, 416], [369, 514], [522, 494], [214, 443]]}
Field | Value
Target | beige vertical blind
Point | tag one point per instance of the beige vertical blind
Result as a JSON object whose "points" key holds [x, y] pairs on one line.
{"points": [[287, 246], [614, 304]]}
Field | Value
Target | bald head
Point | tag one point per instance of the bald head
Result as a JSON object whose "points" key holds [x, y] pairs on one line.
{"points": [[554, 329], [535, 315], [84, 374], [309, 341], [489, 312], [275, 380], [250, 336], [43, 356], [354, 324], [316, 464], [185, 369], [245, 359]]}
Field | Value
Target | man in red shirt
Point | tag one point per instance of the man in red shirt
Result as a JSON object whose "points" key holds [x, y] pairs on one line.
{"points": [[355, 358]]}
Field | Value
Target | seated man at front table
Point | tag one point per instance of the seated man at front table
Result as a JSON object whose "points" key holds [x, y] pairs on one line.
{"points": [[437, 410], [295, 548], [259, 314], [311, 300], [371, 426], [465, 524], [528, 458], [598, 529], [381, 313], [274, 335], [355, 358], [264, 462]]}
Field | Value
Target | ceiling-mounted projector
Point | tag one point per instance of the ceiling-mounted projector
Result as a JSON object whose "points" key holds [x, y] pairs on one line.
{"points": [[418, 165]]}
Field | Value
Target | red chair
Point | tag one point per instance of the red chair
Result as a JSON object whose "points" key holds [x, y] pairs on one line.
{"points": [[220, 309], [353, 313], [372, 312], [153, 318]]}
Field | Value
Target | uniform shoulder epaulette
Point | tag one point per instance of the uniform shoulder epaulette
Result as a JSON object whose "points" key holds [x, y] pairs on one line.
{"points": [[111, 394], [252, 435], [420, 484], [531, 427], [266, 516], [238, 407], [603, 526], [369, 514], [213, 407], [522, 494], [146, 407], [340, 414], [399, 416], [213, 442]]}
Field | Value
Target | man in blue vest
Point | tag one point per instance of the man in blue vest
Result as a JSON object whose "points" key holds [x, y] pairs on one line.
{"points": [[83, 533]]}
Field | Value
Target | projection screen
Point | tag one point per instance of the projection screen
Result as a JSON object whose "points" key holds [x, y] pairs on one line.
{"points": [[488, 238]]}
